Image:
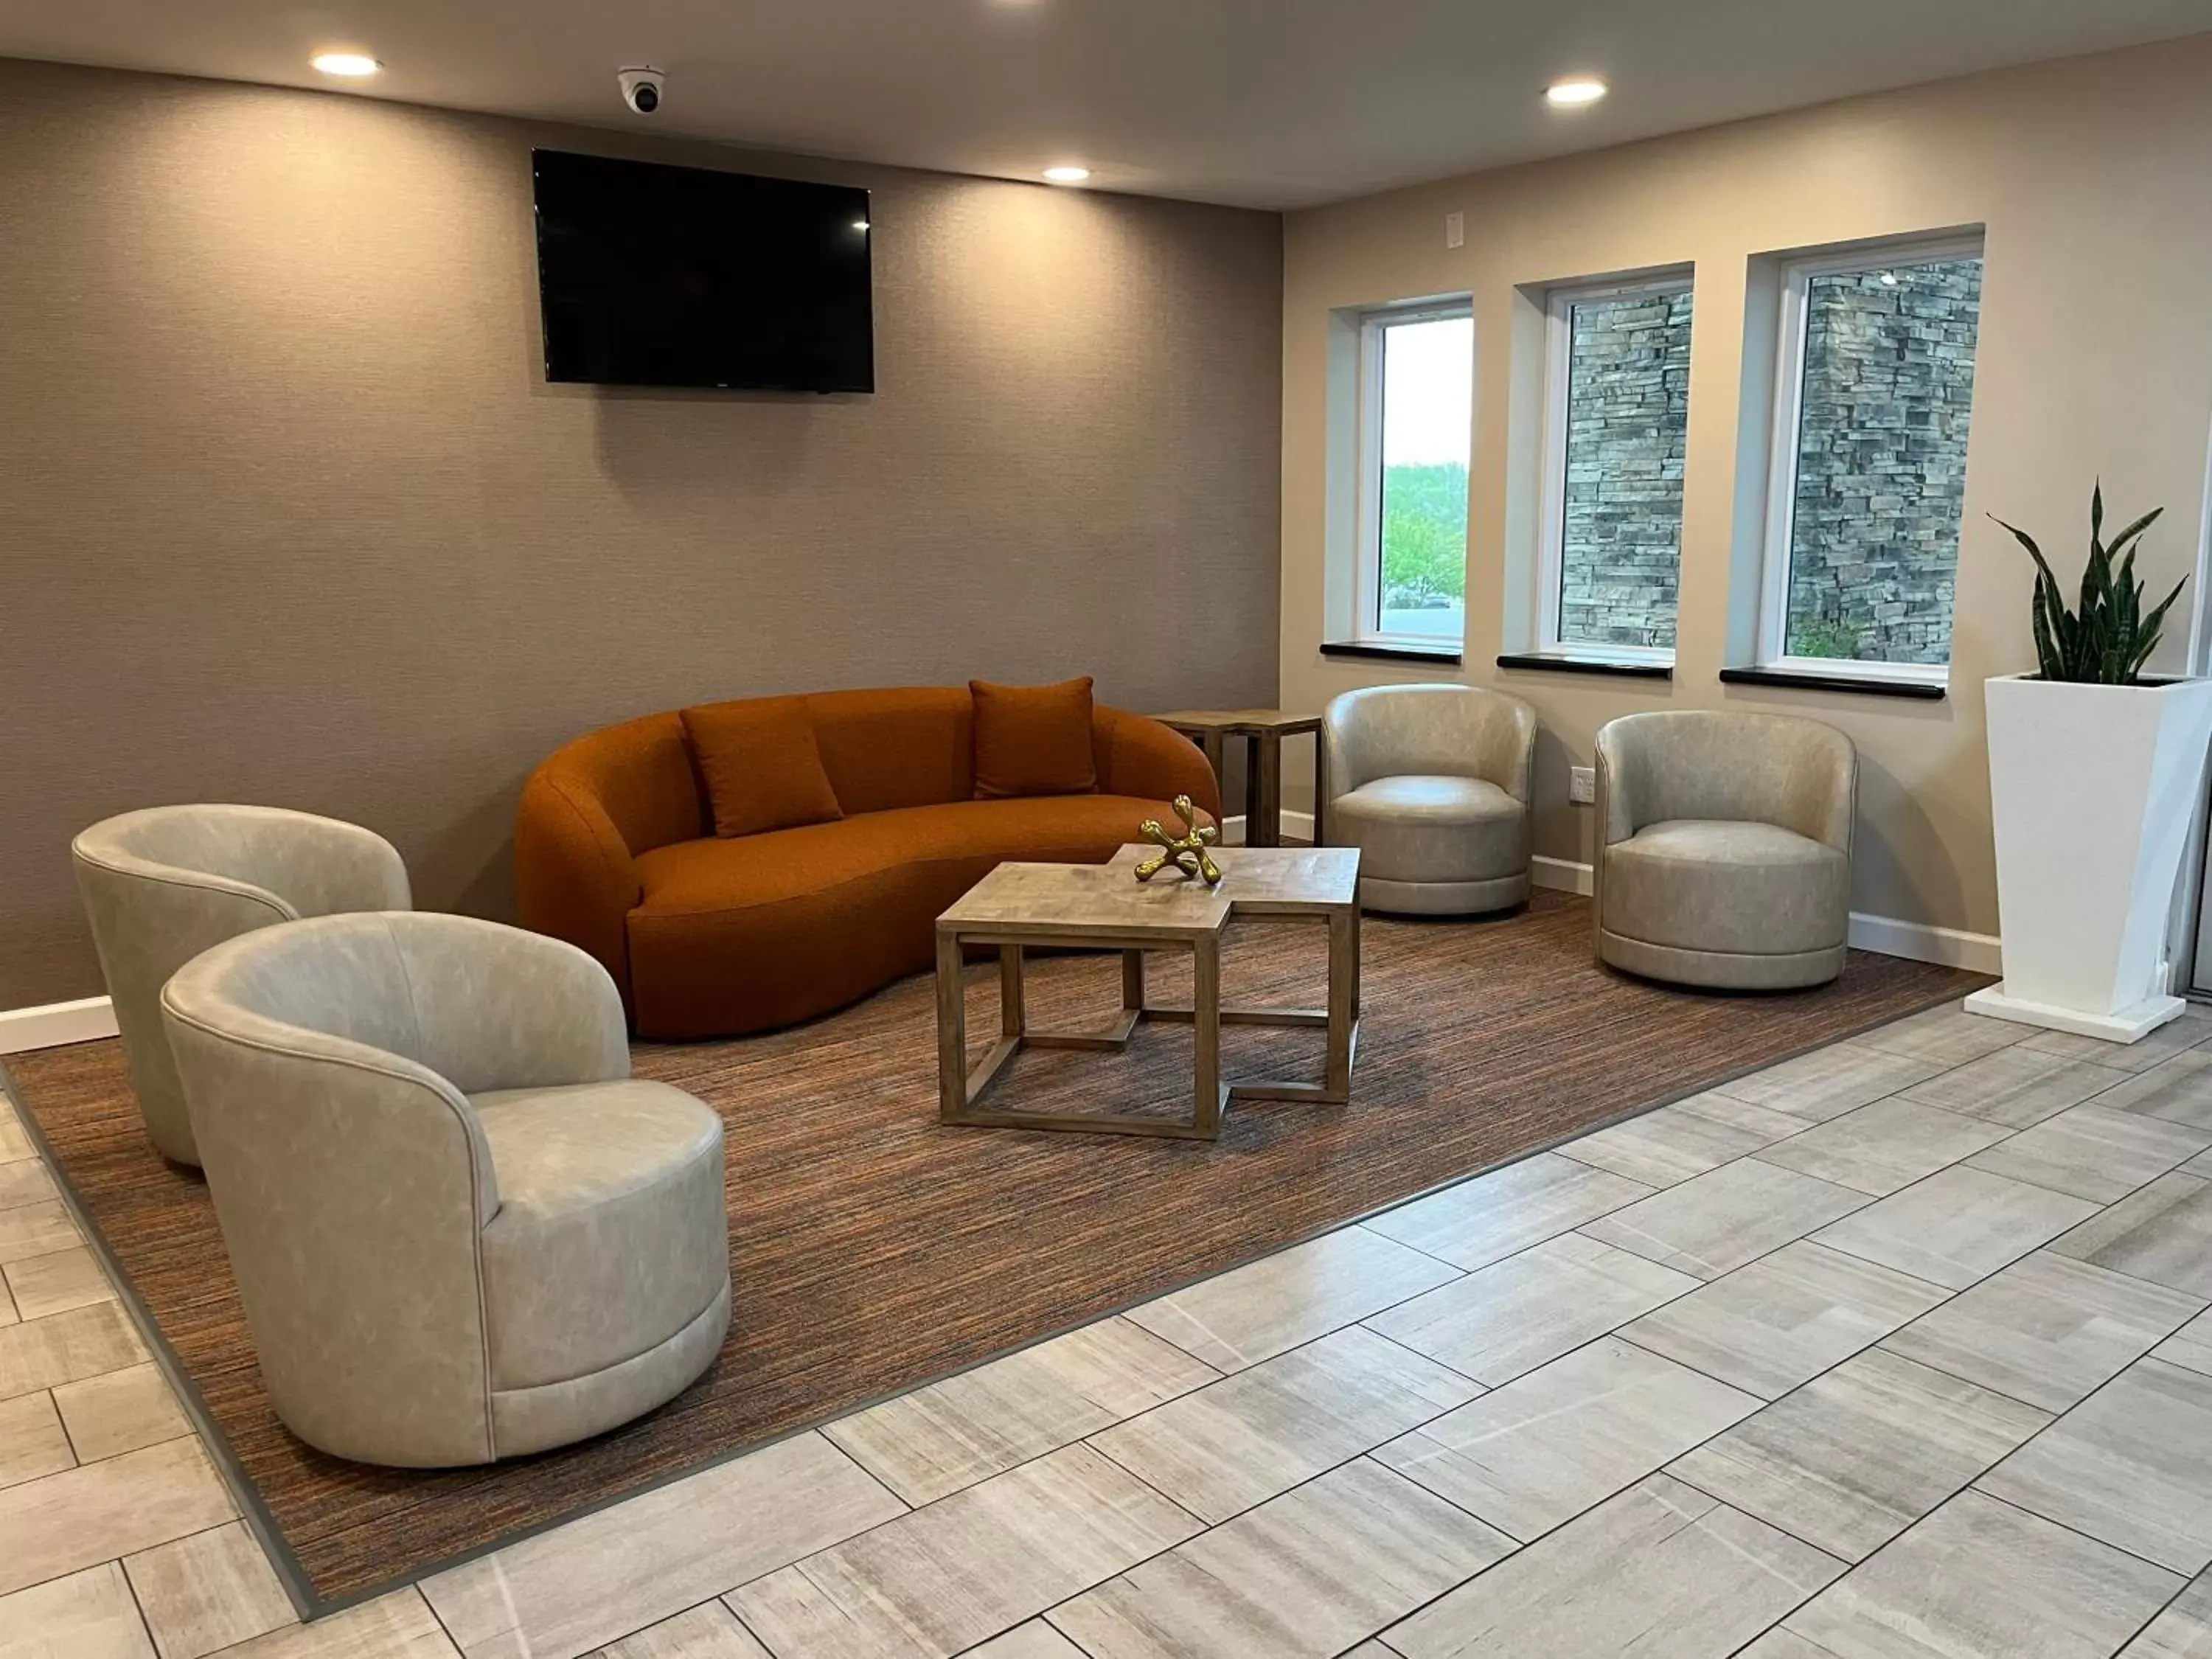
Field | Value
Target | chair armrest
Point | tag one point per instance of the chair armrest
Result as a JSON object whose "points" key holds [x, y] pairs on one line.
{"points": [[353, 1187], [251, 1068], [501, 1008], [1509, 745], [291, 864], [1339, 762], [1139, 757], [1335, 758], [1832, 791], [573, 876], [1615, 794], [325, 867]]}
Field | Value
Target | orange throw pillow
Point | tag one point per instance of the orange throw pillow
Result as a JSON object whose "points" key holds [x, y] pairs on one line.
{"points": [[1033, 739], [762, 767]]}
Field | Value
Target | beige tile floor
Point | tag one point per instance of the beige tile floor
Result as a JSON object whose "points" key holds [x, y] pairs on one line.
{"points": [[1900, 1349]]}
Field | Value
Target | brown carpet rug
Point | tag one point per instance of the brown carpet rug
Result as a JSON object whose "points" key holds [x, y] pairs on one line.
{"points": [[873, 1249]]}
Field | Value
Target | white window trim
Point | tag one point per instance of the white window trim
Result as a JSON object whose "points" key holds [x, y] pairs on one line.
{"points": [[1367, 544], [1550, 547], [1782, 455]]}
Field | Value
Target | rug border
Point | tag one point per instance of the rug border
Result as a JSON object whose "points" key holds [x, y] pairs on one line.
{"points": [[243, 1492], [312, 1606]]}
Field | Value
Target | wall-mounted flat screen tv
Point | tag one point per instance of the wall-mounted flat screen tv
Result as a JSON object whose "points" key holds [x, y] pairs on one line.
{"points": [[682, 277]]}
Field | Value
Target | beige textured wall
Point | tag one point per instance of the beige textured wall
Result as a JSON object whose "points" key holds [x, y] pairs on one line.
{"points": [[2093, 178], [288, 513]]}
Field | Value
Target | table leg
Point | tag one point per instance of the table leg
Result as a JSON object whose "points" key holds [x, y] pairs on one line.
{"points": [[951, 1029], [1343, 999], [1355, 960], [1320, 788], [1132, 981], [1205, 1036], [1263, 791], [1209, 745], [1012, 1009]]}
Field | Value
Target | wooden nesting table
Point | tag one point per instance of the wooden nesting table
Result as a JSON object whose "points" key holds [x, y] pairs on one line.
{"points": [[1018, 906]]}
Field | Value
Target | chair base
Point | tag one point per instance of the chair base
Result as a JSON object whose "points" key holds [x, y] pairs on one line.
{"points": [[1720, 970], [1442, 898], [526, 1420]]}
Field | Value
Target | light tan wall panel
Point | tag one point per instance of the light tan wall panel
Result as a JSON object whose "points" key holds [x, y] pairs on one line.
{"points": [[2094, 179]]}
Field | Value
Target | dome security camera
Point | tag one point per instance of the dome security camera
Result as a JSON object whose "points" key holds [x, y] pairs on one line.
{"points": [[642, 87]]}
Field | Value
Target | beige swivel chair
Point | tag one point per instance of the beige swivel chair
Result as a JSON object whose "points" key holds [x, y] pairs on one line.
{"points": [[1724, 855], [1430, 783], [461, 1230], [162, 885]]}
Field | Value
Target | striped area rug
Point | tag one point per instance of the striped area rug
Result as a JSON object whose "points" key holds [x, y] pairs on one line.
{"points": [[873, 1249]]}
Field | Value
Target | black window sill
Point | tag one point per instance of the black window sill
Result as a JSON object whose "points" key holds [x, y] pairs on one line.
{"points": [[1391, 653], [1855, 685], [1544, 662]]}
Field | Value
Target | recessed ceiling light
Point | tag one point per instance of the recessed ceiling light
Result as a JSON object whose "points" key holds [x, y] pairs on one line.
{"points": [[1575, 89], [1067, 175], [351, 64]]}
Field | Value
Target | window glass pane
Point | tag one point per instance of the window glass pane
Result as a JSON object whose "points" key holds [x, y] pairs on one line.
{"points": [[1628, 408], [1881, 461], [1428, 409]]}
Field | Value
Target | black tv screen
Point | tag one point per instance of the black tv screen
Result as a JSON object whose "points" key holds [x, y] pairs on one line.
{"points": [[680, 276]]}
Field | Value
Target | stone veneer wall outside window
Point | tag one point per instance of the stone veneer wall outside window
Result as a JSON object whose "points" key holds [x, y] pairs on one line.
{"points": [[1628, 405], [1881, 461]]}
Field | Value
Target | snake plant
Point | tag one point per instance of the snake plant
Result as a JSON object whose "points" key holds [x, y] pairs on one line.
{"points": [[2108, 637]]}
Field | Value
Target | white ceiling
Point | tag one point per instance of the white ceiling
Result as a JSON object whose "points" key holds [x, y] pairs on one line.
{"points": [[1265, 103]]}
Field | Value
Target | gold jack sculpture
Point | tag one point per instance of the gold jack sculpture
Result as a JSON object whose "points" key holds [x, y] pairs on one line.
{"points": [[1187, 852]]}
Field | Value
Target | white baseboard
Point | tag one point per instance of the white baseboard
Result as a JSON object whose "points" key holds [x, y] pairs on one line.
{"points": [[86, 1020], [1890, 937], [1298, 826], [1562, 875]]}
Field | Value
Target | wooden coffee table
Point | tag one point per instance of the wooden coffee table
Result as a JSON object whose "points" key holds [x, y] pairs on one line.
{"points": [[1104, 906]]}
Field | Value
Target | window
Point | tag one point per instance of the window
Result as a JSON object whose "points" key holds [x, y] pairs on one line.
{"points": [[1417, 411], [1875, 379], [1617, 407]]}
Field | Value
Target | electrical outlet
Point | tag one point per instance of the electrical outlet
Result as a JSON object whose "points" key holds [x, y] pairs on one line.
{"points": [[1582, 784], [1455, 230]]}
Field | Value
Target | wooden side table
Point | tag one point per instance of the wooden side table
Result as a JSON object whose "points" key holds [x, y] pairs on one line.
{"points": [[1263, 731]]}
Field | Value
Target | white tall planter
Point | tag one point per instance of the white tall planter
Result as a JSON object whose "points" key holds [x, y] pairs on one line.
{"points": [[2094, 789]]}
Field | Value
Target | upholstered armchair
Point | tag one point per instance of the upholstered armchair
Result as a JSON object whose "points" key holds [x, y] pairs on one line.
{"points": [[1430, 782], [162, 885], [1724, 855], [461, 1230]]}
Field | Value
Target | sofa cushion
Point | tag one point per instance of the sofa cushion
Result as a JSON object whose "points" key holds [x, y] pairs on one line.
{"points": [[741, 936], [1432, 829], [1727, 885], [1033, 739], [762, 766], [912, 747]]}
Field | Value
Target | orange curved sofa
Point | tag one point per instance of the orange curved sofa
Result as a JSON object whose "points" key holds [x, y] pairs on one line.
{"points": [[616, 852]]}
